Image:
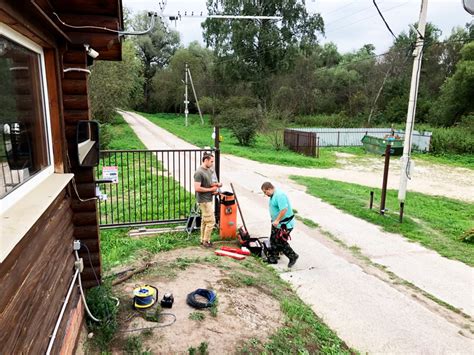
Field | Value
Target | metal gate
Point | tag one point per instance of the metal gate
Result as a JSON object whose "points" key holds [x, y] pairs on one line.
{"points": [[146, 187]]}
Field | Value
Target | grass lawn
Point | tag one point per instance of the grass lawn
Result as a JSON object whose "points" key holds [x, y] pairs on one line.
{"points": [[117, 248], [262, 150], [122, 136], [436, 222], [458, 160]]}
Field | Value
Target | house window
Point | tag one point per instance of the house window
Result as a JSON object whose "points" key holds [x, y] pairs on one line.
{"points": [[25, 143]]}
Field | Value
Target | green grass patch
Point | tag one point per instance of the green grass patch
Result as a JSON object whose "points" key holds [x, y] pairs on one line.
{"points": [[308, 222], [436, 222], [200, 350], [197, 316], [458, 160], [262, 150], [118, 248], [119, 135]]}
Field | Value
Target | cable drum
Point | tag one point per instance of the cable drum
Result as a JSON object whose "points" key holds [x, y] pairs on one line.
{"points": [[144, 296], [209, 295]]}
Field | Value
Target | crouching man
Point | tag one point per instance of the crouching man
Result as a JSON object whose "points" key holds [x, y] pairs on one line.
{"points": [[283, 223]]}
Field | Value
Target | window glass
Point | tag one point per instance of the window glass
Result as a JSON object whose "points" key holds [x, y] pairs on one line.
{"points": [[23, 138]]}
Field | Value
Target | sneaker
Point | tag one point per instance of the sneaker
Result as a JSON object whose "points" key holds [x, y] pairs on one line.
{"points": [[293, 261], [207, 244]]}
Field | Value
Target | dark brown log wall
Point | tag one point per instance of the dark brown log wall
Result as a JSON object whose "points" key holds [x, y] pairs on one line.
{"points": [[34, 280], [76, 108]]}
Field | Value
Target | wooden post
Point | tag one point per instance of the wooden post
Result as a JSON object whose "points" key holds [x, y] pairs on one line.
{"points": [[385, 178]]}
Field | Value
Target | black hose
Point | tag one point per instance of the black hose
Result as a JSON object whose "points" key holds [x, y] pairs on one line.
{"points": [[208, 294]]}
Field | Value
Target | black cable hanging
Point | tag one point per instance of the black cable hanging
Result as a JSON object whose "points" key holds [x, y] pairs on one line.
{"points": [[386, 24]]}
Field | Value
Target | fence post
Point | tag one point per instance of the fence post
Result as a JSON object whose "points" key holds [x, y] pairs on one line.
{"points": [[385, 178], [317, 147], [338, 134], [217, 166]]}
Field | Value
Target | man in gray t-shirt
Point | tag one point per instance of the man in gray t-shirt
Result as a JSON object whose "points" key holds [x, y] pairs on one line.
{"points": [[205, 188]]}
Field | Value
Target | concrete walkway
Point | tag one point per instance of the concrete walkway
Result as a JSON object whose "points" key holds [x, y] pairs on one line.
{"points": [[368, 312]]}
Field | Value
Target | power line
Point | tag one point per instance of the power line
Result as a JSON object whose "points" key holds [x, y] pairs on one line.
{"points": [[366, 18], [344, 17], [340, 8], [383, 18]]}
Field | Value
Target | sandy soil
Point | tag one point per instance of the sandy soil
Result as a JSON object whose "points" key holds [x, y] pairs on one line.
{"points": [[428, 178], [243, 312]]}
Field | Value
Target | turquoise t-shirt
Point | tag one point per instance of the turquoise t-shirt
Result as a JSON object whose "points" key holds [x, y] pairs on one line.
{"points": [[278, 202]]}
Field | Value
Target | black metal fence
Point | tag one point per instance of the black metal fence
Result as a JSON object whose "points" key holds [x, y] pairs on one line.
{"points": [[146, 187]]}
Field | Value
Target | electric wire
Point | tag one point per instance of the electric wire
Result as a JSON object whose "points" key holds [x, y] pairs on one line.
{"points": [[340, 8], [383, 18], [119, 32], [344, 17], [366, 18], [73, 180], [90, 262], [83, 295], [153, 327]]}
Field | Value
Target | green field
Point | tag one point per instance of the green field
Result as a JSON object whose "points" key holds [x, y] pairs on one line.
{"points": [[145, 190], [262, 150], [436, 222]]}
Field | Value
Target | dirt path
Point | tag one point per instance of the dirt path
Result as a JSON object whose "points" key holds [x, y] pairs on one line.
{"points": [[368, 309]]}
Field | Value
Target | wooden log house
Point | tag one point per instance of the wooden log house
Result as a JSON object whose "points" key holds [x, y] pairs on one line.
{"points": [[43, 95]]}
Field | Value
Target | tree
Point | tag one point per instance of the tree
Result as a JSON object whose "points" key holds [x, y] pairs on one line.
{"points": [[455, 100], [116, 84], [168, 84], [155, 50], [253, 49]]}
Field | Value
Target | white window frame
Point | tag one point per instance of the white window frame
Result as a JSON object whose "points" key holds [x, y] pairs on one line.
{"points": [[26, 187]]}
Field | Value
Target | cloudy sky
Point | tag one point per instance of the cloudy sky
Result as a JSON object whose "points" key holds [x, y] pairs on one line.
{"points": [[348, 23]]}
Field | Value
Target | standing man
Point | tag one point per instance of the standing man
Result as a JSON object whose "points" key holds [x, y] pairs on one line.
{"points": [[283, 223], [205, 188]]}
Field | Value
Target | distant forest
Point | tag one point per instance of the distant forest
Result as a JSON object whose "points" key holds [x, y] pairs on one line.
{"points": [[279, 69]]}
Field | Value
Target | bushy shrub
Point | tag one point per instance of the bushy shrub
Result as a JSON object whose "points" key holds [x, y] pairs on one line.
{"points": [[454, 140], [209, 105], [243, 122]]}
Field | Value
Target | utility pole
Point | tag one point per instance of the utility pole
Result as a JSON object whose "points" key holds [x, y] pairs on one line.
{"points": [[415, 78], [186, 101], [195, 96]]}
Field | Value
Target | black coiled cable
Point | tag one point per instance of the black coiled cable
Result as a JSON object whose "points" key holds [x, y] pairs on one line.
{"points": [[208, 294]]}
